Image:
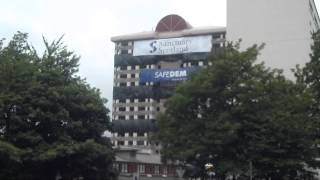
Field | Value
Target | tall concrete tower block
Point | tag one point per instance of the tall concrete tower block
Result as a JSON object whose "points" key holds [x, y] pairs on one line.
{"points": [[285, 26]]}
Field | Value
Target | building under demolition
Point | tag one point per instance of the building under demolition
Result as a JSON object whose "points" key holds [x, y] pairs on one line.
{"points": [[147, 68]]}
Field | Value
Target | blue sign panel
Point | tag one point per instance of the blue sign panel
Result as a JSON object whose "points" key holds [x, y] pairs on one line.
{"points": [[158, 75]]}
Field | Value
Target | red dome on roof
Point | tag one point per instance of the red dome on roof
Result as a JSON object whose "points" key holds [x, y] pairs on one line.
{"points": [[172, 23]]}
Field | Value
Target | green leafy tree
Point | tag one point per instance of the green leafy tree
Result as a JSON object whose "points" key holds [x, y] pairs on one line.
{"points": [[246, 117], [51, 120], [310, 76]]}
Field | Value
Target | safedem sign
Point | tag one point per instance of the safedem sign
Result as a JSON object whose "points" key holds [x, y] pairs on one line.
{"points": [[172, 46], [158, 75]]}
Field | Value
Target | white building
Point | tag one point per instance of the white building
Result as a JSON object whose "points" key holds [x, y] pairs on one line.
{"points": [[285, 26]]}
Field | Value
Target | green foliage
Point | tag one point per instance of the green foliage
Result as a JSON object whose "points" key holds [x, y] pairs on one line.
{"points": [[51, 121], [240, 112]]}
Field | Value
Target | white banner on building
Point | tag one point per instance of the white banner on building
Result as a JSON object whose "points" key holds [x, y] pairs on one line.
{"points": [[172, 46]]}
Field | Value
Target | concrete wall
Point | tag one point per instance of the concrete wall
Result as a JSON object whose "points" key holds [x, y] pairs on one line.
{"points": [[284, 25]]}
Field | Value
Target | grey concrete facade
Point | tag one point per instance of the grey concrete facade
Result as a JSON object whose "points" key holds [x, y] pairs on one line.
{"points": [[285, 26]]}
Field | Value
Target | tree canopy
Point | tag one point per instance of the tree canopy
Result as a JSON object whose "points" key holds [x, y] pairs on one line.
{"points": [[247, 118], [51, 120]]}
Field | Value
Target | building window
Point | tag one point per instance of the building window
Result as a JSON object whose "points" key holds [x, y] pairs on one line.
{"points": [[124, 43], [123, 76], [133, 75], [194, 63], [122, 117], [124, 51], [124, 168], [120, 143], [139, 117], [142, 66], [142, 168], [130, 143], [131, 108], [141, 108], [140, 143], [122, 109], [215, 36], [123, 84]]}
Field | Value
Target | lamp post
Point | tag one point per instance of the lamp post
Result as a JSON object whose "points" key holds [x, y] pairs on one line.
{"points": [[210, 170]]}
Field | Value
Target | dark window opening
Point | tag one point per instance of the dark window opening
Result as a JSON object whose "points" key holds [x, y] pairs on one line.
{"points": [[141, 108], [124, 52], [124, 43], [123, 76], [140, 143], [194, 63], [121, 143]]}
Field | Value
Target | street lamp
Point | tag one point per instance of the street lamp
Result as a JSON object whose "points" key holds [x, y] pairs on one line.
{"points": [[210, 170]]}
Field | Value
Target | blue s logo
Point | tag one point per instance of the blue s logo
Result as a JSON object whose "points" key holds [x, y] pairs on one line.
{"points": [[153, 46]]}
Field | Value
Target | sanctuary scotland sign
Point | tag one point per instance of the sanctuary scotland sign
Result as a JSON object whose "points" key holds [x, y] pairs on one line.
{"points": [[181, 45]]}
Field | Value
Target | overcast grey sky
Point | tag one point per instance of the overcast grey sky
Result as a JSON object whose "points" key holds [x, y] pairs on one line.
{"points": [[87, 26]]}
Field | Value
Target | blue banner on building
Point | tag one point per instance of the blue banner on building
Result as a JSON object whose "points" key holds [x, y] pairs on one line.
{"points": [[158, 75]]}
